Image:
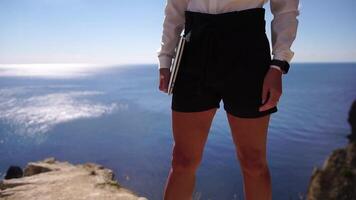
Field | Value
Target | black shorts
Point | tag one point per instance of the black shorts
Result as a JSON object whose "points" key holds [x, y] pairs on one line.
{"points": [[227, 57]]}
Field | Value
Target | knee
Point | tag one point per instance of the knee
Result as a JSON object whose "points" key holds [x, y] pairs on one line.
{"points": [[253, 162], [182, 162]]}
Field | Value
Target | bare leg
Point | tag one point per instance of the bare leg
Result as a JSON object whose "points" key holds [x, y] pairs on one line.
{"points": [[190, 132], [250, 135]]}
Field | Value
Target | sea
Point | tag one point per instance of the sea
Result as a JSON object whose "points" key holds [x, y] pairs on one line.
{"points": [[116, 116]]}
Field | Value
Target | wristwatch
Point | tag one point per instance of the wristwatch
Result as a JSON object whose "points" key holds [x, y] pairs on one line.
{"points": [[282, 64]]}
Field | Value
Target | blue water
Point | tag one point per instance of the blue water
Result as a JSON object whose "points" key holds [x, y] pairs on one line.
{"points": [[117, 117]]}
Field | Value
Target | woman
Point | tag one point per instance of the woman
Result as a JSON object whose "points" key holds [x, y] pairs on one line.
{"points": [[227, 57]]}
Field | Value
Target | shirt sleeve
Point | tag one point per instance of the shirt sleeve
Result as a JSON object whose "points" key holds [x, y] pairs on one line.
{"points": [[173, 24], [283, 27]]}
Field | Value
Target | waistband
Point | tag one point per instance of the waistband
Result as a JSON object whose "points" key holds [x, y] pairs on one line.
{"points": [[244, 20]]}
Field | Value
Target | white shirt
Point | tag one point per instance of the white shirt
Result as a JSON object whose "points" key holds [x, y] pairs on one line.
{"points": [[283, 25]]}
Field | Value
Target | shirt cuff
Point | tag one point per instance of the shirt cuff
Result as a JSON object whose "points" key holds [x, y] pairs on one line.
{"points": [[276, 67], [164, 61], [284, 55]]}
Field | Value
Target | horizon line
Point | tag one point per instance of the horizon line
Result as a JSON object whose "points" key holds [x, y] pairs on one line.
{"points": [[148, 63]]}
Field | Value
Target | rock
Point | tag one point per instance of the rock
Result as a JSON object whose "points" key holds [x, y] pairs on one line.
{"points": [[36, 168], [352, 121], [336, 180], [14, 172], [52, 179]]}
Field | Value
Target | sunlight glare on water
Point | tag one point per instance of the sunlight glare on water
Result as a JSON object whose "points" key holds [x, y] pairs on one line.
{"points": [[50, 70]]}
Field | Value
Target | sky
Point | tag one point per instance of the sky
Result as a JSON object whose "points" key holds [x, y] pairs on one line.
{"points": [[129, 31]]}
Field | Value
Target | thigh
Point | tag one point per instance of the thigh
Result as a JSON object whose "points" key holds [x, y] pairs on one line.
{"points": [[190, 131], [249, 135]]}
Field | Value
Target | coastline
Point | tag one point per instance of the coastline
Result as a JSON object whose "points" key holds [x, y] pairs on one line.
{"points": [[52, 179]]}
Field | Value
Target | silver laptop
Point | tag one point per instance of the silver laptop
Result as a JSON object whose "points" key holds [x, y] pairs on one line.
{"points": [[176, 62]]}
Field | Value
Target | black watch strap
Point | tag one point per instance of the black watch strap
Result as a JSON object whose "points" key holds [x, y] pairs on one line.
{"points": [[284, 65]]}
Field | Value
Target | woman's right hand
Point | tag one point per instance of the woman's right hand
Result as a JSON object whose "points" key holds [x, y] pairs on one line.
{"points": [[164, 76]]}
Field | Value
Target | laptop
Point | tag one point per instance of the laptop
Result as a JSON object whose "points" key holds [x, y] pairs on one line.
{"points": [[176, 63]]}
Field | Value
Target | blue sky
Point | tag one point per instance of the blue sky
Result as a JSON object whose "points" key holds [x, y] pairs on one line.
{"points": [[129, 31]]}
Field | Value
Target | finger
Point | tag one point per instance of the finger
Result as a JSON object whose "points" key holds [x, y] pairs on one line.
{"points": [[271, 102], [275, 94], [161, 83], [264, 94], [265, 106], [165, 84]]}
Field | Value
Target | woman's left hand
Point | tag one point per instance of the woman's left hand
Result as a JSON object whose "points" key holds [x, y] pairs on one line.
{"points": [[272, 84]]}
